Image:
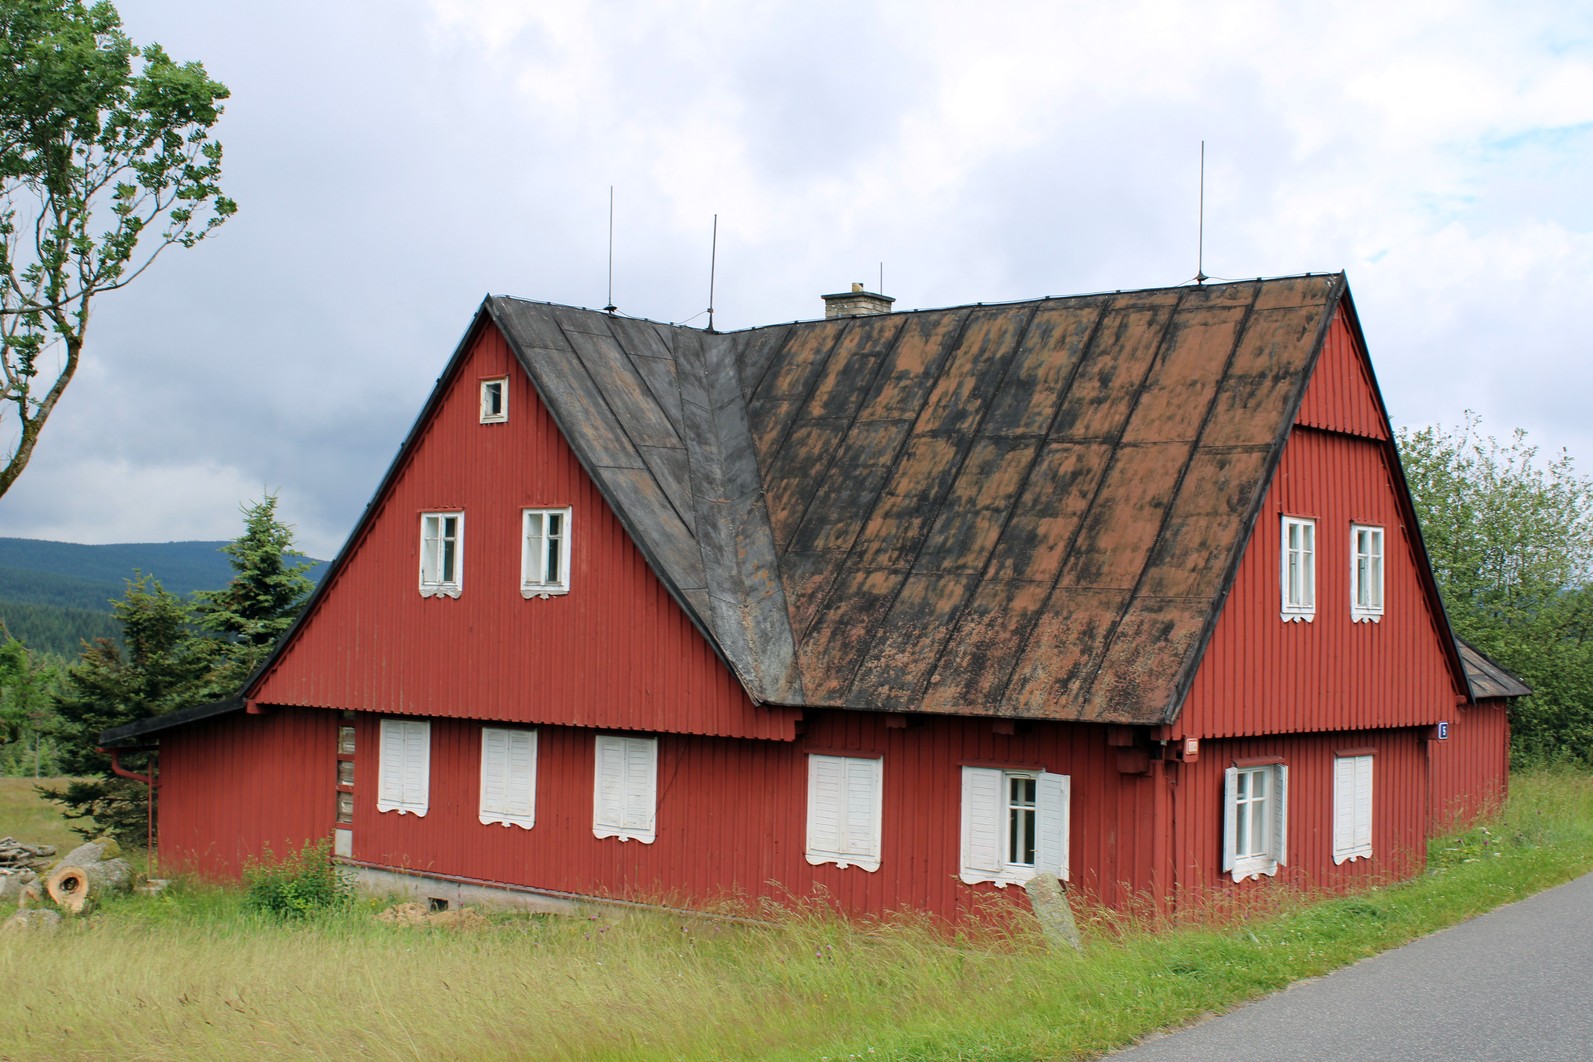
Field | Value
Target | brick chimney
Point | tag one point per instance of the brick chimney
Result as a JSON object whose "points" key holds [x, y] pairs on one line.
{"points": [[856, 303]]}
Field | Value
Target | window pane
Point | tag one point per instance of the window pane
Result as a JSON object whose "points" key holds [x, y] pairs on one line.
{"points": [[345, 739], [345, 807], [345, 772]]}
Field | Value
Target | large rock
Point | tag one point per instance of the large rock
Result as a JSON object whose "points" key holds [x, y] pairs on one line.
{"points": [[1050, 902]]}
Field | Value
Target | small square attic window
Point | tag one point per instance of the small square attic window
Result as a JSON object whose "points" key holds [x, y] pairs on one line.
{"points": [[494, 401]]}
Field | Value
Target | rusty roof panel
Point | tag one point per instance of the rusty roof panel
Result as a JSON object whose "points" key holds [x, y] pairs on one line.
{"points": [[899, 659], [912, 366], [659, 374], [1125, 517], [801, 360], [1186, 375], [807, 578], [957, 401], [1038, 374], [976, 509], [1059, 661], [847, 486], [1218, 490], [978, 658], [907, 504], [1487, 679], [1050, 511], [796, 472], [1138, 674], [831, 650], [1273, 354], [756, 353], [1102, 396], [849, 372]]}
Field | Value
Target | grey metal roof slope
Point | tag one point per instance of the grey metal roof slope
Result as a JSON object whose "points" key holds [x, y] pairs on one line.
{"points": [[1032, 510], [1487, 679]]}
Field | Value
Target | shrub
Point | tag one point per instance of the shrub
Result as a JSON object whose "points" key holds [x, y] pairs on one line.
{"points": [[298, 885]]}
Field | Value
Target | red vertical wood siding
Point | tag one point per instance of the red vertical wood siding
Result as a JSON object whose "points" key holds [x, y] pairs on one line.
{"points": [[616, 651], [233, 785], [732, 816], [1399, 810], [1341, 396], [1262, 675], [1471, 770]]}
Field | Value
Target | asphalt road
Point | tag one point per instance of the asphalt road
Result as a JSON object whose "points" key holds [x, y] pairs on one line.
{"points": [[1516, 983]]}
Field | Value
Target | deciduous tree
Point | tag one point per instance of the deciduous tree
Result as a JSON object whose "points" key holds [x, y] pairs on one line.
{"points": [[101, 168], [1510, 537]]}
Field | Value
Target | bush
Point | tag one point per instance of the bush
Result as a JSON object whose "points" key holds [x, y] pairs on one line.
{"points": [[296, 886]]}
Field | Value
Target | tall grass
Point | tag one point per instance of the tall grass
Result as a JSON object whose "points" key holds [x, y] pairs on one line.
{"points": [[27, 818], [190, 974]]}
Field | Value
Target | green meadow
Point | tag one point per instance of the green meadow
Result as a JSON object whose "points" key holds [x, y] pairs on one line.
{"points": [[193, 974]]}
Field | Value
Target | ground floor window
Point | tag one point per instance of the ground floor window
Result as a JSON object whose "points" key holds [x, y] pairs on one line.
{"points": [[508, 777], [844, 797], [625, 790], [403, 775], [1255, 820], [1014, 824]]}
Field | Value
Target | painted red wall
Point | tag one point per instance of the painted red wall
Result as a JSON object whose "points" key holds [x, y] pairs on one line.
{"points": [[1399, 810], [1263, 675], [1471, 770], [732, 815], [616, 651], [233, 785]]}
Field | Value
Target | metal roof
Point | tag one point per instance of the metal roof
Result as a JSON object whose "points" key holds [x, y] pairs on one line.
{"points": [[1487, 679], [1032, 509]]}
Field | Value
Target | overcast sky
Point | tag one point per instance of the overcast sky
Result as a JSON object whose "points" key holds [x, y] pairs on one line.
{"points": [[396, 161]]}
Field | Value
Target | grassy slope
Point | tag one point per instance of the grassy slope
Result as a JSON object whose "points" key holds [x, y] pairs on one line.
{"points": [[32, 820], [188, 976]]}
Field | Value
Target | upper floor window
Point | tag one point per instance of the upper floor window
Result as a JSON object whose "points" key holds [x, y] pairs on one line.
{"points": [[494, 401], [1366, 573], [442, 554], [1298, 575], [545, 554]]}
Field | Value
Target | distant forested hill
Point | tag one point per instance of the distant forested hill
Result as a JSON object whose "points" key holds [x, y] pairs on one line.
{"points": [[55, 595]]}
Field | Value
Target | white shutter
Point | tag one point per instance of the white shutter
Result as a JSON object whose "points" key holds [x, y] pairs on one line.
{"points": [[625, 788], [981, 824], [641, 786], [863, 811], [390, 768], [403, 775], [508, 776], [1230, 802], [1052, 797], [844, 809], [1280, 822], [826, 838], [1343, 808], [1363, 805]]}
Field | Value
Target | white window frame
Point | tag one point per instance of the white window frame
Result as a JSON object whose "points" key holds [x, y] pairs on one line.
{"points": [[1366, 573], [625, 788], [1265, 846], [434, 581], [508, 777], [403, 776], [536, 551], [1297, 568], [1352, 807], [987, 832], [845, 798], [488, 416]]}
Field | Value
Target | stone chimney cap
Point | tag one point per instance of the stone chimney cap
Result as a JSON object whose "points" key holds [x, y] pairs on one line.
{"points": [[856, 303]]}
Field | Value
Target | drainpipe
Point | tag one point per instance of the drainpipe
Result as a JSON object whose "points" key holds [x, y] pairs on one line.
{"points": [[149, 803]]}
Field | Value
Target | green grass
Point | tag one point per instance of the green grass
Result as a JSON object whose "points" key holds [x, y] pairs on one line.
{"points": [[32, 820], [190, 974]]}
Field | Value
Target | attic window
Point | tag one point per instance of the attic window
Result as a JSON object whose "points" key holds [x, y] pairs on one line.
{"points": [[545, 553], [495, 401], [442, 554], [1298, 574]]}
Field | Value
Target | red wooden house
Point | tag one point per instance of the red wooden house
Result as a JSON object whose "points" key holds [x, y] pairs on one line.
{"points": [[900, 608]]}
